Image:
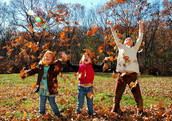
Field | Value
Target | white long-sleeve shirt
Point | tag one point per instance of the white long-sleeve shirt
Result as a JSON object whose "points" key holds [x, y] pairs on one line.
{"points": [[127, 56]]}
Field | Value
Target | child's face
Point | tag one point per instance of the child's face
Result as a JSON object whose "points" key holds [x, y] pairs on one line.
{"points": [[86, 59], [48, 59], [128, 42]]}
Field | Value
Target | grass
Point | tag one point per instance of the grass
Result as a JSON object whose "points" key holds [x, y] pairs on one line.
{"points": [[17, 96]]}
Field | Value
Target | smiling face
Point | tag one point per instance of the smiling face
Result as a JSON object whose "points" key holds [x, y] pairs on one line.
{"points": [[48, 59], [86, 59], [128, 41]]}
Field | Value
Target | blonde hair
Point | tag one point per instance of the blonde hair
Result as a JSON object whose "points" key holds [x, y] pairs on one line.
{"points": [[83, 57], [47, 52]]}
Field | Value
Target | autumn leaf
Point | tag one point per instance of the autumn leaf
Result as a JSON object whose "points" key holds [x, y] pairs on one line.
{"points": [[24, 114], [131, 84], [33, 57], [22, 73], [127, 10], [119, 35], [76, 23], [143, 44], [55, 85], [62, 34], [60, 11], [74, 75], [135, 12], [112, 44], [90, 95], [113, 75], [79, 44], [57, 68], [33, 85], [33, 65], [130, 31], [160, 51], [42, 86], [127, 21], [117, 25], [67, 90], [50, 12], [111, 58], [105, 66]]}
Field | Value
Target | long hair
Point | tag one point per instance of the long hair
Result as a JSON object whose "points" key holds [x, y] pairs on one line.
{"points": [[47, 52], [81, 61]]}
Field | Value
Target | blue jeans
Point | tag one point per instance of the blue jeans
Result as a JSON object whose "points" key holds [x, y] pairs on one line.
{"points": [[42, 103], [83, 91]]}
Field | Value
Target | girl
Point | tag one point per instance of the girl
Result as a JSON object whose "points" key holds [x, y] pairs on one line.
{"points": [[86, 76], [127, 66], [47, 69]]}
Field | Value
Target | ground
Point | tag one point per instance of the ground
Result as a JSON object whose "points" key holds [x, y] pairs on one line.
{"points": [[19, 102]]}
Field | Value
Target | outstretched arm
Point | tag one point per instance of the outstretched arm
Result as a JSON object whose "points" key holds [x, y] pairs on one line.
{"points": [[118, 43], [139, 40], [100, 67], [29, 72]]}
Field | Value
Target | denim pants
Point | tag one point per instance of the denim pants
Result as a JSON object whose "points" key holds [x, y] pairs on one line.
{"points": [[83, 91], [42, 103]]}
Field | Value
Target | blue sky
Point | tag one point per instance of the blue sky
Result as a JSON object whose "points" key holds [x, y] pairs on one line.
{"points": [[87, 3]]}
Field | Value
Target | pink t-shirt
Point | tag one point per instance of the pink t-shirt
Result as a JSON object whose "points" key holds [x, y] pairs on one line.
{"points": [[87, 73]]}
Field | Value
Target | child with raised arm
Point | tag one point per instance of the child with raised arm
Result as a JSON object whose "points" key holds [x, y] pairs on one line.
{"points": [[127, 68], [86, 76], [47, 69]]}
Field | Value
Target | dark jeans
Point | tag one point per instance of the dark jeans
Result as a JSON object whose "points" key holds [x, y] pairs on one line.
{"points": [[120, 88], [42, 103], [83, 91]]}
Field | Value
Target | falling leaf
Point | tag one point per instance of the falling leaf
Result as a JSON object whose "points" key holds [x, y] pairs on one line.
{"points": [[135, 12], [117, 25], [130, 31], [60, 11], [76, 23], [74, 75], [90, 95], [42, 87], [111, 58], [127, 10], [62, 34], [33, 65], [131, 84], [112, 44], [105, 66], [33, 85], [79, 44], [113, 75], [160, 51], [57, 68], [127, 21], [119, 35], [143, 44], [55, 85]]}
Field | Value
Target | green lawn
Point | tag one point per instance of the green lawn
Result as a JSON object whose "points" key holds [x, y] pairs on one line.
{"points": [[19, 102]]}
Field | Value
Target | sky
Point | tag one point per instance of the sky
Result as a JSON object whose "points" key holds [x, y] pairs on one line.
{"points": [[87, 3]]}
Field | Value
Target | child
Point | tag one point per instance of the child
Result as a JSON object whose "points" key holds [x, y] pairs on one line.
{"points": [[47, 69], [127, 66], [86, 76]]}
